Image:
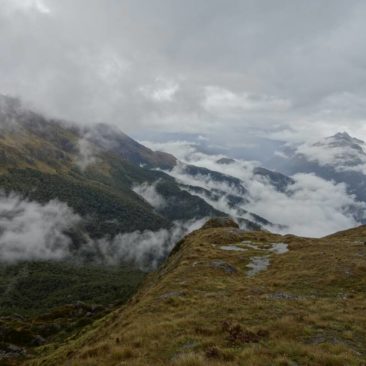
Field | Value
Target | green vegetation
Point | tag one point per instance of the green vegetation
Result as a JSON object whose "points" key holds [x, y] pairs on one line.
{"points": [[106, 210], [39, 159], [33, 288], [44, 303], [202, 307]]}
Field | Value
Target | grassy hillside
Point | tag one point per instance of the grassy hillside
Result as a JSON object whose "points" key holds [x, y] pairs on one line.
{"points": [[47, 302], [208, 306], [35, 288], [44, 159]]}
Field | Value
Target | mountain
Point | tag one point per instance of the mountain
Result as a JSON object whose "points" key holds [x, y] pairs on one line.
{"points": [[229, 297], [341, 158], [95, 210], [278, 180], [231, 193], [93, 170], [80, 233], [113, 140]]}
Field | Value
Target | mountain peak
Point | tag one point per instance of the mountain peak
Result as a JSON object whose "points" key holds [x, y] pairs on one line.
{"points": [[345, 138], [342, 135]]}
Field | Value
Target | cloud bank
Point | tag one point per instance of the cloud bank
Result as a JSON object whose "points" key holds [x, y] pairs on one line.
{"points": [[33, 231], [233, 70], [310, 206], [30, 231], [341, 152]]}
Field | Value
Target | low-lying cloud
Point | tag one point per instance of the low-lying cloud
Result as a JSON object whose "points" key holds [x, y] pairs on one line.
{"points": [[87, 153], [149, 193], [346, 155], [30, 230], [310, 206], [33, 231], [145, 249]]}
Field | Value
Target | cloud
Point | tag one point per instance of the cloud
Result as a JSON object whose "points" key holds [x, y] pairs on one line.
{"points": [[87, 153], [341, 155], [162, 90], [225, 103], [149, 193], [29, 230], [26, 5], [33, 231], [227, 70], [310, 206], [145, 249]]}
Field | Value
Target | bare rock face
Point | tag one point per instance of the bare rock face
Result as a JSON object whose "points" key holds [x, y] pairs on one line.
{"points": [[218, 222]]}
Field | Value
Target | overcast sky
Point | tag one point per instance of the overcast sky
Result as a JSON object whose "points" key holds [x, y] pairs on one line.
{"points": [[230, 69]]}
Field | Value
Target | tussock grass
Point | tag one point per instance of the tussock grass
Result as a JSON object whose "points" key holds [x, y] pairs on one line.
{"points": [[307, 308]]}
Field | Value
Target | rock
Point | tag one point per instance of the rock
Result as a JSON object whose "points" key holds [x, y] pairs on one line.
{"points": [[283, 296], [38, 341], [225, 161], [80, 304], [14, 351], [171, 294], [226, 267], [218, 222]]}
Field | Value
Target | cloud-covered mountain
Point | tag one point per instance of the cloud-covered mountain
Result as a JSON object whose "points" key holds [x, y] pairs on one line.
{"points": [[116, 185], [341, 158], [93, 173], [109, 185], [304, 203]]}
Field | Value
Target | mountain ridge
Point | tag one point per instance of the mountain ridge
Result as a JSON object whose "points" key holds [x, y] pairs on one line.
{"points": [[214, 302]]}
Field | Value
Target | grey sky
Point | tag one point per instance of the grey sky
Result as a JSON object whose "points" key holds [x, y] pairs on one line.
{"points": [[286, 69]]}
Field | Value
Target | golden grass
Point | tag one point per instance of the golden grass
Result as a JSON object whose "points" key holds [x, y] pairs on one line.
{"points": [[307, 308]]}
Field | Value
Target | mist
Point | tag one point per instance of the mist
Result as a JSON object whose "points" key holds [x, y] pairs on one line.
{"points": [[149, 193], [145, 249], [30, 231], [310, 206]]}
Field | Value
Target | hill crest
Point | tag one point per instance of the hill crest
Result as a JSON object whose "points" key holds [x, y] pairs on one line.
{"points": [[225, 297]]}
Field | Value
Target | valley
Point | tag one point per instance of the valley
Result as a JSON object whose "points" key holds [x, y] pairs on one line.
{"points": [[109, 248]]}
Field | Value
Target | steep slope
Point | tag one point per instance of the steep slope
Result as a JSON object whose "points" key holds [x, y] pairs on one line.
{"points": [[115, 141], [93, 180], [228, 193], [228, 297], [93, 170]]}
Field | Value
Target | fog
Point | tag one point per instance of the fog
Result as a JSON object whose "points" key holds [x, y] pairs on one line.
{"points": [[310, 206], [33, 231]]}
